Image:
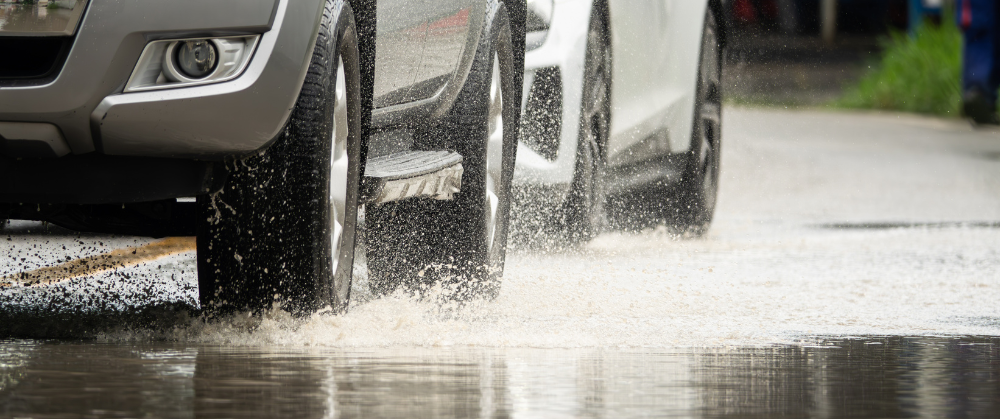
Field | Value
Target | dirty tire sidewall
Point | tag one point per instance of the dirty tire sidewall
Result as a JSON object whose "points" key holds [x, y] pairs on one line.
{"points": [[265, 238]]}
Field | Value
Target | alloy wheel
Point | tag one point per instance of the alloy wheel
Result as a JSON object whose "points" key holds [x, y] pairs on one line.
{"points": [[494, 155], [339, 168]]}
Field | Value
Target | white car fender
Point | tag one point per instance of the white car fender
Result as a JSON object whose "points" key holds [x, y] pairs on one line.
{"points": [[565, 47]]}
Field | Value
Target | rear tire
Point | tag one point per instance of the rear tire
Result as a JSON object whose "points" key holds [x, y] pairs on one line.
{"points": [[283, 228], [462, 242], [584, 210], [692, 206]]}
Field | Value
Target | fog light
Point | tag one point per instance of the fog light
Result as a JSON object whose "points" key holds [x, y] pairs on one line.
{"points": [[172, 63], [196, 59]]}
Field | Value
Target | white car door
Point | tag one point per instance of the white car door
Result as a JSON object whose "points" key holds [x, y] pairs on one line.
{"points": [[655, 46]]}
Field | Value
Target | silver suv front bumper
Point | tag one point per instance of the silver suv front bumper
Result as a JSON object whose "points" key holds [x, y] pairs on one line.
{"points": [[203, 122]]}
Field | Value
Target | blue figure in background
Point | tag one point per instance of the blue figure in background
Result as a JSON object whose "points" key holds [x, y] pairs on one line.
{"points": [[981, 52]]}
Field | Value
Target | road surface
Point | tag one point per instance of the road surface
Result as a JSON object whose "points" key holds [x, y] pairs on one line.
{"points": [[835, 232]]}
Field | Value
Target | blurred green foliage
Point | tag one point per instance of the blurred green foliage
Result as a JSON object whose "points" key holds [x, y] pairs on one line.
{"points": [[917, 73]]}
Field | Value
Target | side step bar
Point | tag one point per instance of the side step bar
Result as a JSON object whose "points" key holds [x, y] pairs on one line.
{"points": [[412, 174]]}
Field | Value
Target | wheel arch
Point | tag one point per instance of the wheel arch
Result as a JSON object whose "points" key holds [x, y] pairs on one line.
{"points": [[716, 6], [517, 14], [366, 24], [602, 10]]}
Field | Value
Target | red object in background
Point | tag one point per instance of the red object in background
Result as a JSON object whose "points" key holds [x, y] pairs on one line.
{"points": [[768, 8], [966, 13], [744, 11], [751, 12]]}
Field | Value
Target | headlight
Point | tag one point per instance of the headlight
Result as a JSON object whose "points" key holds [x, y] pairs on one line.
{"points": [[191, 62], [539, 15]]}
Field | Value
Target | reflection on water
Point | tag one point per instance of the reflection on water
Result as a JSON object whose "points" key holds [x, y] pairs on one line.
{"points": [[53, 17], [869, 377]]}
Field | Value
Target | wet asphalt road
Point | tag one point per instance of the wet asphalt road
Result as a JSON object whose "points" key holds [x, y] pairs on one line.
{"points": [[853, 269]]}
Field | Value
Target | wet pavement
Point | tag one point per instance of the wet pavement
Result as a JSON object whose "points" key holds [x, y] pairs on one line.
{"points": [[853, 270], [873, 377]]}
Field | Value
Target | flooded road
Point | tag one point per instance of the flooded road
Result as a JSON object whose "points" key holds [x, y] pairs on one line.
{"points": [[853, 269], [875, 377]]}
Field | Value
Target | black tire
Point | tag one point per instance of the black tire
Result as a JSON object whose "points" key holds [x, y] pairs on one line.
{"points": [[584, 209], [419, 242], [692, 206], [269, 236]]}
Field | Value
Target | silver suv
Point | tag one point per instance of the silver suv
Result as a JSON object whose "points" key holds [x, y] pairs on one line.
{"points": [[271, 129]]}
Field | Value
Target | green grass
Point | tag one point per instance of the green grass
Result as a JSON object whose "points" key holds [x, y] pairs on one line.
{"points": [[919, 73]]}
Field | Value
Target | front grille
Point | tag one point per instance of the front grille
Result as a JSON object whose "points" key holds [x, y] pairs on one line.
{"points": [[541, 126], [32, 61]]}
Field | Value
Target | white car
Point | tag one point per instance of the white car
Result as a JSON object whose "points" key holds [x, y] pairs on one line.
{"points": [[620, 96]]}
